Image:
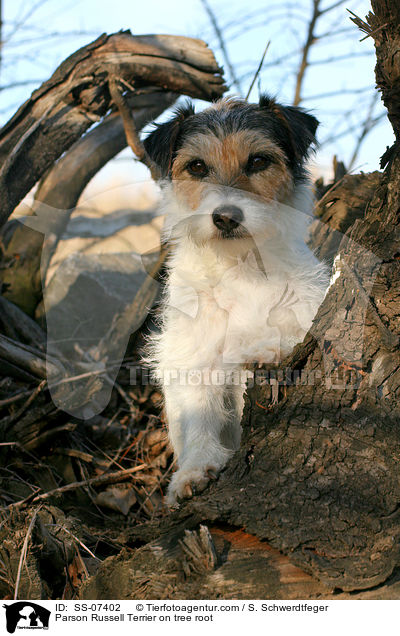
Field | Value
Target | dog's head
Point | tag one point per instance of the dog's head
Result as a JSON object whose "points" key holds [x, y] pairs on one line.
{"points": [[223, 166]]}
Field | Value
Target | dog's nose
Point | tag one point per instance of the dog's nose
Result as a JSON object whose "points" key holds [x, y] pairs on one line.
{"points": [[227, 217]]}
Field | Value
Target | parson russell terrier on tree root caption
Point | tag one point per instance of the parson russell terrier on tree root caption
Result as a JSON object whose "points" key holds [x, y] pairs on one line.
{"points": [[242, 285]]}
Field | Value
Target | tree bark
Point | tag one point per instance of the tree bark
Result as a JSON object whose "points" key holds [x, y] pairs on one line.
{"points": [[317, 475]]}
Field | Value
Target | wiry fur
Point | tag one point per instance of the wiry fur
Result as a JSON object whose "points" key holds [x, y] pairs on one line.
{"points": [[237, 299]]}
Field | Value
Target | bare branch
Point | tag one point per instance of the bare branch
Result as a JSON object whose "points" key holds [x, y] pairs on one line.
{"points": [[221, 41], [332, 34], [49, 36], [131, 133], [100, 480], [346, 91], [24, 551], [351, 129], [244, 28], [255, 15], [374, 32], [338, 58], [19, 23], [333, 6], [367, 126], [19, 84], [306, 51], [256, 74]]}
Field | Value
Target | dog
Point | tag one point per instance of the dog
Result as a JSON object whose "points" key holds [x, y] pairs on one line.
{"points": [[242, 286]]}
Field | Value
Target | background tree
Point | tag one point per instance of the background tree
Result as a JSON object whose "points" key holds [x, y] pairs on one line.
{"points": [[314, 59], [319, 39]]}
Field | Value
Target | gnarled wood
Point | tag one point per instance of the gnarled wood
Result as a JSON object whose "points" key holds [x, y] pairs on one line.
{"points": [[27, 252], [77, 95], [317, 475]]}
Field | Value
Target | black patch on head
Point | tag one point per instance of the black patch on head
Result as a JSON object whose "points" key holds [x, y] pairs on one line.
{"points": [[290, 127], [163, 142], [294, 131]]}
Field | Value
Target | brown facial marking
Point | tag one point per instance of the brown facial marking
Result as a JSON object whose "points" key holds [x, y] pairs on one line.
{"points": [[226, 157], [189, 190]]}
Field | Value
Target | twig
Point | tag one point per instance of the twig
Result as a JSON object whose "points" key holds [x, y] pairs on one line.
{"points": [[367, 126], [374, 31], [57, 525], [111, 460], [362, 25], [93, 481], [111, 382], [221, 41], [28, 402], [32, 394], [73, 452], [304, 63], [333, 6], [6, 87], [23, 450], [258, 70], [156, 487], [350, 91], [339, 58], [351, 129], [20, 21], [22, 558], [15, 398], [128, 448], [131, 133]]}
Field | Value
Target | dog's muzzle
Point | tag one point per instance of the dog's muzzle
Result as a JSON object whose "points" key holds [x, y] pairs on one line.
{"points": [[227, 218]]}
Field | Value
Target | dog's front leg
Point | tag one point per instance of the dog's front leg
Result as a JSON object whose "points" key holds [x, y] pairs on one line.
{"points": [[196, 417]]}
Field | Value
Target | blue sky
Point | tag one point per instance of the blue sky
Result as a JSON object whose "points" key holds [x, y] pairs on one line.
{"points": [[40, 34]]}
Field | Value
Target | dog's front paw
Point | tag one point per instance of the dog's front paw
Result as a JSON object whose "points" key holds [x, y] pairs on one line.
{"points": [[187, 482]]}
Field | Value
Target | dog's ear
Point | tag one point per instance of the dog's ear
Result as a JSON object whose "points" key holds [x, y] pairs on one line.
{"points": [[162, 143], [298, 130]]}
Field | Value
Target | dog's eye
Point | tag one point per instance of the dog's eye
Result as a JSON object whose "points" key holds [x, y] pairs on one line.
{"points": [[197, 168], [257, 163]]}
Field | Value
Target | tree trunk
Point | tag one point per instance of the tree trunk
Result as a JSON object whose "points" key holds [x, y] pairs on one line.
{"points": [[317, 475]]}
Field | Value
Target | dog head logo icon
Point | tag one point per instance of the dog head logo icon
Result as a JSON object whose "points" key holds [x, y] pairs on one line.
{"points": [[26, 615]]}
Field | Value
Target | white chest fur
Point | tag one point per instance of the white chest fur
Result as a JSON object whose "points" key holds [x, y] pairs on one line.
{"points": [[226, 311]]}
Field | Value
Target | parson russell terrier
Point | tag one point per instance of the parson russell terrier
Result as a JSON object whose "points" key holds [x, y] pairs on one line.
{"points": [[242, 285]]}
